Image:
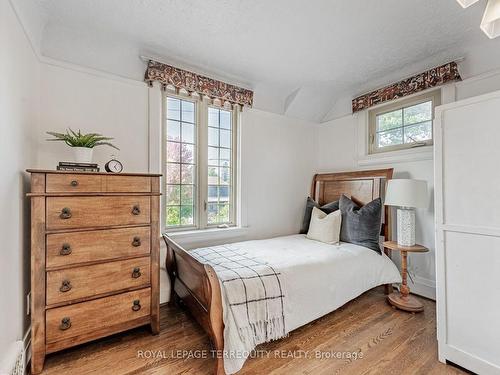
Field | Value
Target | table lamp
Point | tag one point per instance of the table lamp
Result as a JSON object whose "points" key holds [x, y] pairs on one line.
{"points": [[407, 195]]}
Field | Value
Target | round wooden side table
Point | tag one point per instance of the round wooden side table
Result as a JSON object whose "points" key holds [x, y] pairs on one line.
{"points": [[402, 299]]}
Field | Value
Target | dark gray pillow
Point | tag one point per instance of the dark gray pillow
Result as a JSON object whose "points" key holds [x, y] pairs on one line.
{"points": [[361, 226], [327, 209]]}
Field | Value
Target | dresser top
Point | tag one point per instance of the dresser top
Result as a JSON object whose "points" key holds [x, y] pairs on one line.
{"points": [[52, 171]]}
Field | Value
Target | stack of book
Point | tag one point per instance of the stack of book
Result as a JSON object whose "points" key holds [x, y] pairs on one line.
{"points": [[80, 167]]}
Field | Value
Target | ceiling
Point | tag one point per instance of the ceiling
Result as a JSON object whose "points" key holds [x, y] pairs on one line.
{"points": [[306, 59]]}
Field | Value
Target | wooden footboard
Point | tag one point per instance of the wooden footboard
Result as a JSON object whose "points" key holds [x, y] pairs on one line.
{"points": [[196, 285]]}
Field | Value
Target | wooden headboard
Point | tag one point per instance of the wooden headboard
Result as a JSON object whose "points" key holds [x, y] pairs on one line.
{"points": [[361, 186]]}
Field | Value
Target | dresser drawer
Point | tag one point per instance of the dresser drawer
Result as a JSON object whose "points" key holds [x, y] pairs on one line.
{"points": [[81, 322], [129, 184], [66, 249], [87, 281], [87, 212], [74, 183]]}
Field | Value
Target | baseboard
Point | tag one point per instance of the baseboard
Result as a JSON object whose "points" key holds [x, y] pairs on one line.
{"points": [[421, 286]]}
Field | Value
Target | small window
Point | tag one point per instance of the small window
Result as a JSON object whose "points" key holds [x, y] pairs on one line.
{"points": [[403, 125]]}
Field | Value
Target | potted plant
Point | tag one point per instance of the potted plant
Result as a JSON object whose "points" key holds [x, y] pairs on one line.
{"points": [[82, 144]]}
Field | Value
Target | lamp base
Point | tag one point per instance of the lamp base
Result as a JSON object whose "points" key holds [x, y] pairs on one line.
{"points": [[406, 227]]}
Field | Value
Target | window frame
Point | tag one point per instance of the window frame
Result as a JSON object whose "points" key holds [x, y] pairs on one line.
{"points": [[200, 215], [433, 96]]}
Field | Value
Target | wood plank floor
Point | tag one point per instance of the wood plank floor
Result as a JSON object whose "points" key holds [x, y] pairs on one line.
{"points": [[391, 342]]}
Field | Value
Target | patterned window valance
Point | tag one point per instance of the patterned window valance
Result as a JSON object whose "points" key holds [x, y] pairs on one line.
{"points": [[434, 77], [192, 82]]}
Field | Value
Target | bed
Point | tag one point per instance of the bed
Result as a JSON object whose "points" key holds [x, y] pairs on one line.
{"points": [[339, 275]]}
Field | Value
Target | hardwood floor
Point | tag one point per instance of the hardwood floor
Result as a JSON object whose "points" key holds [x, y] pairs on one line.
{"points": [[391, 342]]}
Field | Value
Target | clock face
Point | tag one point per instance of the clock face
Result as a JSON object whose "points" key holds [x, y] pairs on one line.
{"points": [[114, 166]]}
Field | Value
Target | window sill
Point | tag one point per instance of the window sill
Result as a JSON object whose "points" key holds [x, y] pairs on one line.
{"points": [[208, 234], [401, 156]]}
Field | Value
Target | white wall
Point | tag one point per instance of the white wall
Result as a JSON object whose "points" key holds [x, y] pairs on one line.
{"points": [[93, 102], [18, 108]]}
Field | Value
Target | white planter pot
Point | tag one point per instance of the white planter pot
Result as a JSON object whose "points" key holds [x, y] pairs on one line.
{"points": [[83, 154]]}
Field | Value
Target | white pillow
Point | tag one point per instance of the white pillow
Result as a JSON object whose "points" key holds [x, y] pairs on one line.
{"points": [[325, 228]]}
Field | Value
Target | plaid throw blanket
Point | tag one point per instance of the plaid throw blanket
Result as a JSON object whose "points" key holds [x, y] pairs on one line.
{"points": [[253, 292]]}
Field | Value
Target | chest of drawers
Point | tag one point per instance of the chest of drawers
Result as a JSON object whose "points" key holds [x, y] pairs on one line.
{"points": [[94, 257]]}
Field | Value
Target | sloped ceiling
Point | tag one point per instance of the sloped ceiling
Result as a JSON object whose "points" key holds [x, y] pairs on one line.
{"points": [[305, 59]]}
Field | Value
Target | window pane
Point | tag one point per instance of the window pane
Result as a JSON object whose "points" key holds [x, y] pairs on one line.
{"points": [[187, 133], [213, 117], [173, 215], [173, 131], [213, 156], [173, 109], [187, 155], [212, 211], [390, 138], [224, 193], [223, 216], [180, 155], [225, 120], [418, 113], [225, 138], [213, 176], [187, 111], [225, 157], [213, 193], [173, 173], [418, 133], [187, 173], [390, 120], [173, 195], [213, 137], [173, 152], [225, 176], [187, 193], [187, 215]]}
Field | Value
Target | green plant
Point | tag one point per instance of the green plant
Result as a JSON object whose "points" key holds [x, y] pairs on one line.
{"points": [[77, 139]]}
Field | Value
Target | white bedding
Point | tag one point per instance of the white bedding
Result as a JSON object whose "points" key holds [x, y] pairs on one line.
{"points": [[319, 277]]}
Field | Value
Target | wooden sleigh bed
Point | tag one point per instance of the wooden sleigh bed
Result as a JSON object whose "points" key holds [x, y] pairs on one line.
{"points": [[195, 285]]}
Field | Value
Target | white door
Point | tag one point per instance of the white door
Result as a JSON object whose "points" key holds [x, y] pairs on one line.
{"points": [[467, 204]]}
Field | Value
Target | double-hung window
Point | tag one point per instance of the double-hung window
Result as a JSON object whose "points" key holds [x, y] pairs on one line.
{"points": [[404, 124], [200, 164]]}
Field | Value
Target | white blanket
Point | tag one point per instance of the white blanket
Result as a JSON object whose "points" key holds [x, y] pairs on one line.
{"points": [[319, 277]]}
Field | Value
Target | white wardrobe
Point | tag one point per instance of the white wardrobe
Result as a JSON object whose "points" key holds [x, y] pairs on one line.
{"points": [[467, 211]]}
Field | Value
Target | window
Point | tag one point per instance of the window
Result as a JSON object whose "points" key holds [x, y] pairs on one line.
{"points": [[199, 157], [219, 166], [404, 124]]}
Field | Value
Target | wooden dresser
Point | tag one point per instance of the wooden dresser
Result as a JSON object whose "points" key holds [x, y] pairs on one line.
{"points": [[94, 257]]}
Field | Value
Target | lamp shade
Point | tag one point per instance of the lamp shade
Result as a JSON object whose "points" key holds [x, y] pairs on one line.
{"points": [[406, 193], [467, 3], [491, 19]]}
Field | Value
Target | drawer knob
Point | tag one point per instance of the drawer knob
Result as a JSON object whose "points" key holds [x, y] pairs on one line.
{"points": [[136, 242], [136, 210], [65, 324], [65, 213], [74, 183], [65, 286], [136, 273], [65, 249], [136, 306]]}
